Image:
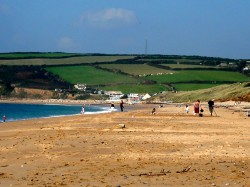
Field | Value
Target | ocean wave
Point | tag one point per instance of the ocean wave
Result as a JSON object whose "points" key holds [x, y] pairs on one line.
{"points": [[18, 112]]}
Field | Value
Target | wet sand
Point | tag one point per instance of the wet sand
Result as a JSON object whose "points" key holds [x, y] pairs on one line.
{"points": [[170, 148]]}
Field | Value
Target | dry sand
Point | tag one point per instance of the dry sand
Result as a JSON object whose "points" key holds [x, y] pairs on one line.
{"points": [[170, 148]]}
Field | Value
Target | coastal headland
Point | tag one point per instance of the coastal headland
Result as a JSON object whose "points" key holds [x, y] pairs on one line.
{"points": [[131, 148]]}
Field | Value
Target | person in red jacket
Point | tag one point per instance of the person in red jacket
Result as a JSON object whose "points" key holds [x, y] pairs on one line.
{"points": [[197, 107]]}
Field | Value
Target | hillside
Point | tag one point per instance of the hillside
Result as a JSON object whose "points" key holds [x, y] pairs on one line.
{"points": [[237, 92], [126, 73]]}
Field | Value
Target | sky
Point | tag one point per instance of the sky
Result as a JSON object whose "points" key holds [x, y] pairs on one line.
{"points": [[214, 28]]}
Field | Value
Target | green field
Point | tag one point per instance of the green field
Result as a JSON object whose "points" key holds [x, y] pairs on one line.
{"points": [[35, 55], [104, 80], [135, 69], [189, 66], [177, 60], [143, 74], [90, 75], [199, 75], [180, 80], [63, 61]]}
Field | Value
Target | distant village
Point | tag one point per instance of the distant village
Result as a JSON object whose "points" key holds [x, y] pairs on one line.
{"points": [[111, 96]]}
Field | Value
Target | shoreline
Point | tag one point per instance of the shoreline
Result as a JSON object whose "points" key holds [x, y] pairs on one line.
{"points": [[104, 108], [226, 104], [52, 101], [243, 107], [70, 102], [78, 102]]}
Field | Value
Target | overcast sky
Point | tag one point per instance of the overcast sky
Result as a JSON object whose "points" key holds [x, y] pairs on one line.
{"points": [[216, 28]]}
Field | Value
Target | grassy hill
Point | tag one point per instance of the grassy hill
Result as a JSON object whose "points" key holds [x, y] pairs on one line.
{"points": [[89, 75], [126, 73], [32, 55], [237, 91], [198, 79], [105, 80]]}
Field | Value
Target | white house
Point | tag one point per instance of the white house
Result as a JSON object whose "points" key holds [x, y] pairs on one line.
{"points": [[81, 87], [246, 68], [223, 64], [134, 98], [114, 95], [146, 96]]}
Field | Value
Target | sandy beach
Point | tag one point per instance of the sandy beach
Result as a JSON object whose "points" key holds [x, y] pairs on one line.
{"points": [[171, 148]]}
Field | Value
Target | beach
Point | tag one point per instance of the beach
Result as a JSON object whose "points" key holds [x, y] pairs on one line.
{"points": [[131, 148]]}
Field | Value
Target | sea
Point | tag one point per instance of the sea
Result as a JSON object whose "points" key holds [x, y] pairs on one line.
{"points": [[17, 112]]}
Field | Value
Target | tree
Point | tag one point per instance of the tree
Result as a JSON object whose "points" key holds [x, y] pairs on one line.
{"points": [[6, 88], [241, 65]]}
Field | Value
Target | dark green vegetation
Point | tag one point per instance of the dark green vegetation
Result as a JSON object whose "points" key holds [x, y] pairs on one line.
{"points": [[32, 55], [28, 77], [126, 73]]}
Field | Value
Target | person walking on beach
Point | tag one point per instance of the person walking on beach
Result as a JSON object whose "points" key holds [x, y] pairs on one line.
{"points": [[83, 109], [153, 111], [4, 118], [197, 107], [112, 107], [211, 106], [187, 109], [121, 105]]}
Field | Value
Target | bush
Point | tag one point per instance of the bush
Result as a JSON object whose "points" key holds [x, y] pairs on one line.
{"points": [[6, 89], [247, 84]]}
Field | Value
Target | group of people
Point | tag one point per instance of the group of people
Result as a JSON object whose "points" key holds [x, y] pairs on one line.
{"points": [[112, 106], [198, 110]]}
